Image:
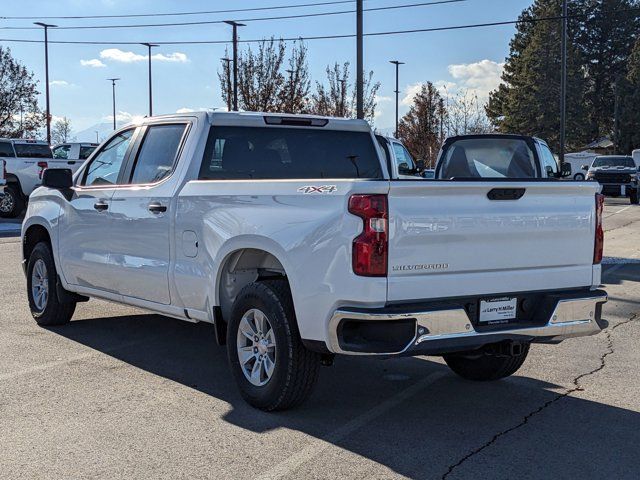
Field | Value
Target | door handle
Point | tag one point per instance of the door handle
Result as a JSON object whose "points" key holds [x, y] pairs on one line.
{"points": [[101, 206], [156, 207]]}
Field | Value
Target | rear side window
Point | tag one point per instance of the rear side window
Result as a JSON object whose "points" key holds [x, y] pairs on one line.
{"points": [[6, 150], [288, 153], [406, 165], [33, 150], [62, 152], [488, 158], [86, 151], [158, 153]]}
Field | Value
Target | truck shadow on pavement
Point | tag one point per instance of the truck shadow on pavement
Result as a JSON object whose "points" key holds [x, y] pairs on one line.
{"points": [[411, 415]]}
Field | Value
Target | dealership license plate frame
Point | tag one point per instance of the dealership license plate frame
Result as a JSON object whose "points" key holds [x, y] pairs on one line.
{"points": [[497, 310]]}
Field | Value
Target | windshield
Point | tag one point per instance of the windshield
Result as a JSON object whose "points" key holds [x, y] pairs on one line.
{"points": [[33, 150], [490, 157], [626, 162]]}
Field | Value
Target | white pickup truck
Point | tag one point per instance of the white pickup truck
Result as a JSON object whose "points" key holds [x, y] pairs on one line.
{"points": [[289, 234], [25, 161]]}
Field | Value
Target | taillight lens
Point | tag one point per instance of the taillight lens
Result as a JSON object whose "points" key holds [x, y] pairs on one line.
{"points": [[370, 248], [43, 166], [599, 241]]}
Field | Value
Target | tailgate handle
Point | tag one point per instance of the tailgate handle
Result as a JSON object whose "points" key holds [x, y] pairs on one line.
{"points": [[506, 193]]}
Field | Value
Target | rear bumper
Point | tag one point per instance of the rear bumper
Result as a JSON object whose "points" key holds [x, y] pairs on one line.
{"points": [[446, 328]]}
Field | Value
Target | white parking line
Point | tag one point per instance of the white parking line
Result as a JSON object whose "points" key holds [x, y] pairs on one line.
{"points": [[318, 445]]}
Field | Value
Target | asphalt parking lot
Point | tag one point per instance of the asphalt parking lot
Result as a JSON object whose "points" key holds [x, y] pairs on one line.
{"points": [[120, 393]]}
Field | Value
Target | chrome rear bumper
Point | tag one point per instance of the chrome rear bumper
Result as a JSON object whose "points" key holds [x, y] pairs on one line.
{"points": [[446, 330]]}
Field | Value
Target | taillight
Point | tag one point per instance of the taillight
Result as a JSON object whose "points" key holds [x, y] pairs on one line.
{"points": [[370, 248], [599, 241], [43, 166]]}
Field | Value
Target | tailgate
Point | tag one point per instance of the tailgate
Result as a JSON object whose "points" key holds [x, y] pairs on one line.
{"points": [[448, 239]]}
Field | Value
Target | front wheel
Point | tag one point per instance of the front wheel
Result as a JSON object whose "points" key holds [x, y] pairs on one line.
{"points": [[486, 364], [46, 308], [633, 196], [579, 177], [12, 203], [271, 366]]}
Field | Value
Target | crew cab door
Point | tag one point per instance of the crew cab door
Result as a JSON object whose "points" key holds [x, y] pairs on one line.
{"points": [[141, 212], [86, 221]]}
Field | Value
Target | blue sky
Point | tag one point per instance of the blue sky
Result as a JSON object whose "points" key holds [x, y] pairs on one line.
{"points": [[185, 76]]}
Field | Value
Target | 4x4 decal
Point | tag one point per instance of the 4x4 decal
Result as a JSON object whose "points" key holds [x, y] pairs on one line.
{"points": [[323, 189]]}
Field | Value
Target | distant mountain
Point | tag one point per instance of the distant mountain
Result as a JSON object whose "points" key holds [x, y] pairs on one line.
{"points": [[89, 134]]}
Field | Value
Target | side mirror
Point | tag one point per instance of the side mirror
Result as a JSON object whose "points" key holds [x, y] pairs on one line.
{"points": [[57, 178], [585, 167], [566, 170]]}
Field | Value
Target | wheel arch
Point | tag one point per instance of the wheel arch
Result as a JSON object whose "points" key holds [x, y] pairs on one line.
{"points": [[34, 234], [242, 266]]}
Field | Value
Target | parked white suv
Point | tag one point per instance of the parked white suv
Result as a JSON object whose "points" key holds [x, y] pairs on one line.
{"points": [[290, 235]]}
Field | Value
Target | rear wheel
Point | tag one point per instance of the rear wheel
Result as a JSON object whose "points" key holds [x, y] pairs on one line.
{"points": [[271, 366], [12, 203], [579, 176], [486, 364], [46, 308]]}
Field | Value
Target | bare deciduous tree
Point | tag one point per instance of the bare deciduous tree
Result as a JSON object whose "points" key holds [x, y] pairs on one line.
{"points": [[334, 99], [19, 112], [465, 115], [264, 85], [61, 131]]}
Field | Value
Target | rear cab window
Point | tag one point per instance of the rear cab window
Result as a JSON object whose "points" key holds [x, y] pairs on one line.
{"points": [[490, 157], [288, 153], [61, 152], [6, 150], [626, 162], [85, 151], [33, 150]]}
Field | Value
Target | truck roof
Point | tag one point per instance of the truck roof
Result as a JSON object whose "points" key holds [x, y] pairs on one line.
{"points": [[492, 135], [260, 119], [24, 140]]}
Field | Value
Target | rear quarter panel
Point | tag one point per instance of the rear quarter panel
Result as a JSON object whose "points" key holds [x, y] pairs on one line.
{"points": [[310, 234]]}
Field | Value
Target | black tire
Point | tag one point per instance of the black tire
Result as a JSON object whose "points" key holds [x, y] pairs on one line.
{"points": [[12, 203], [579, 177], [633, 197], [483, 366], [295, 370], [54, 312]]}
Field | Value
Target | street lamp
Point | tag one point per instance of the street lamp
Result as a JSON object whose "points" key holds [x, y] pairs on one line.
{"points": [[235, 26], [397, 90], [113, 87], [46, 73], [149, 47]]}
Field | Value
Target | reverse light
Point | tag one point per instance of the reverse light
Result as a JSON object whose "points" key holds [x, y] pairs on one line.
{"points": [[599, 237], [370, 248]]}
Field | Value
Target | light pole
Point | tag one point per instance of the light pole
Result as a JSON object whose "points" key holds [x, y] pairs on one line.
{"points": [[359, 61], [230, 87], [46, 74], [149, 47], [113, 88], [97, 140], [397, 90], [563, 84], [235, 26]]}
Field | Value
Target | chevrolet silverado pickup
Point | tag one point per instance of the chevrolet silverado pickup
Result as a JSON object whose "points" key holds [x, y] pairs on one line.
{"points": [[290, 235], [498, 156], [25, 162]]}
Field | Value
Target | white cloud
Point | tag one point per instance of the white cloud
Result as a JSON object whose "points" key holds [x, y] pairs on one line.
{"points": [[185, 110], [124, 117], [480, 77], [60, 83], [94, 63], [382, 98], [117, 55]]}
